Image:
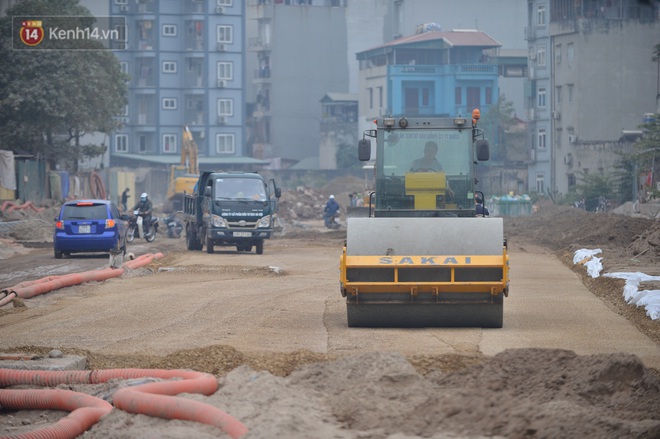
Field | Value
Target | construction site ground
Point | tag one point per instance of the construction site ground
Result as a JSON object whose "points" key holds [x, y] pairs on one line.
{"points": [[572, 360]]}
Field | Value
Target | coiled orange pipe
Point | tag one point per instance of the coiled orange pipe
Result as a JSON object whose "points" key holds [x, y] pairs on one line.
{"points": [[28, 289], [149, 399], [97, 187], [15, 206], [86, 410]]}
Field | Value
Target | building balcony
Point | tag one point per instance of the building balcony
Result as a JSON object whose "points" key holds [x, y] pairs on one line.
{"points": [[261, 9], [258, 44], [479, 69]]}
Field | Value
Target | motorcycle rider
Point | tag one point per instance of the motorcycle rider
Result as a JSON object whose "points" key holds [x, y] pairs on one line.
{"points": [[330, 210], [144, 208]]}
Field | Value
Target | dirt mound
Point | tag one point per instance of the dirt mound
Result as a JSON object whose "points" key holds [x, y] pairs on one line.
{"points": [[647, 243], [305, 203], [540, 393], [518, 393], [559, 227]]}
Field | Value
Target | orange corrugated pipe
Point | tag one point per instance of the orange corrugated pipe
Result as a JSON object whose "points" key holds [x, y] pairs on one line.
{"points": [[28, 289], [150, 399], [86, 410], [15, 206]]}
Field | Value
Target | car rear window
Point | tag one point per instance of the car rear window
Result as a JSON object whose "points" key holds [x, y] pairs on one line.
{"points": [[84, 212]]}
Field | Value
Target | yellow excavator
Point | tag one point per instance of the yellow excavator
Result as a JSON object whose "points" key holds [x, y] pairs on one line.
{"points": [[424, 257], [183, 176]]}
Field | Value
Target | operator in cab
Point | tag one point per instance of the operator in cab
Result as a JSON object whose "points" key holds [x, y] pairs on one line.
{"points": [[430, 163]]}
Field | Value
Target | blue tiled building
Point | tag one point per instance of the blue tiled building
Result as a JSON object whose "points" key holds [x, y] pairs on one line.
{"points": [[429, 73], [185, 60]]}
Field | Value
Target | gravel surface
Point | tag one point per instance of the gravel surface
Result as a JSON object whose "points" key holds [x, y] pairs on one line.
{"points": [[333, 391]]}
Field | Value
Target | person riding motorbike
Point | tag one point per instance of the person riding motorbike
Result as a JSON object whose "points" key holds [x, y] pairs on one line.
{"points": [[144, 208], [174, 226], [330, 210]]}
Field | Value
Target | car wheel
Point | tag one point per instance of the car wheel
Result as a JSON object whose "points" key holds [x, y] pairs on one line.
{"points": [[58, 255], [209, 245], [260, 247]]}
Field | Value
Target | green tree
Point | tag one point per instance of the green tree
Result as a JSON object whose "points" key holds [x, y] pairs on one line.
{"points": [[498, 119], [50, 98], [594, 186], [347, 158]]}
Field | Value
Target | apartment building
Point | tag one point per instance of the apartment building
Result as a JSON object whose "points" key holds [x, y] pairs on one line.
{"points": [[591, 77], [186, 61]]}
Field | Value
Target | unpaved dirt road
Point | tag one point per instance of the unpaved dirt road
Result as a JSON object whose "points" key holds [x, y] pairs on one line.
{"points": [[273, 328], [288, 299]]}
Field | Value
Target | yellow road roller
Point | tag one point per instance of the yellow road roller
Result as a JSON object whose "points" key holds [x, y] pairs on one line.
{"points": [[425, 256]]}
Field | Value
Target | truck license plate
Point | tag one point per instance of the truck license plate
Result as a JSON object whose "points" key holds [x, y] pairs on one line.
{"points": [[243, 234], [84, 229]]}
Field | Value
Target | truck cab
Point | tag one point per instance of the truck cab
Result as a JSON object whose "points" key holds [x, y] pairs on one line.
{"points": [[231, 209]]}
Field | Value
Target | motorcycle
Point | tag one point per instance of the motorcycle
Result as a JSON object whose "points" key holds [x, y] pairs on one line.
{"points": [[136, 229], [174, 226], [332, 221]]}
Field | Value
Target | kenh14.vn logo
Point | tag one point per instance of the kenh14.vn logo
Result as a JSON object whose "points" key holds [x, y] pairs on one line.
{"points": [[32, 32]]}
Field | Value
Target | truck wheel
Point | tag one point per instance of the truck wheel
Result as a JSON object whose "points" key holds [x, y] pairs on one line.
{"points": [[209, 245], [260, 247], [191, 239]]}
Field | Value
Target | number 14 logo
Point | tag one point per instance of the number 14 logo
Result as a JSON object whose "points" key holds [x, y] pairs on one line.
{"points": [[32, 32]]}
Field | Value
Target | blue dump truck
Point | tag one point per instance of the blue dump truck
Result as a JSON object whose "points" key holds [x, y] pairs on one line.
{"points": [[230, 209]]}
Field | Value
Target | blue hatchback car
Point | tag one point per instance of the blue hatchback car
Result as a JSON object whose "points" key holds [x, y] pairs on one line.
{"points": [[89, 226]]}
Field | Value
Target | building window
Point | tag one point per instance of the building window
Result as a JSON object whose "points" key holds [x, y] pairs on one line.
{"points": [[121, 143], [473, 98], [572, 180], [121, 32], [142, 143], [121, 2], [457, 96], [371, 98], [570, 93], [169, 103], [225, 107], [541, 143], [225, 34], [224, 144], [225, 70], [540, 15], [558, 94], [489, 96], [540, 187], [558, 54], [380, 97], [569, 52], [425, 97], [123, 66], [541, 98], [540, 56], [169, 66], [169, 142], [225, 2], [169, 30]]}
